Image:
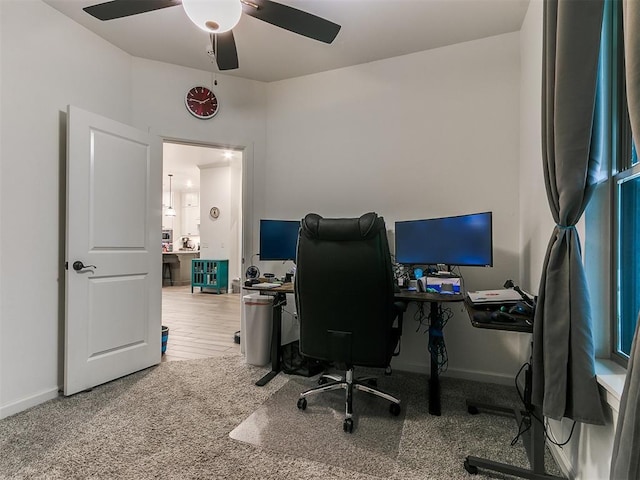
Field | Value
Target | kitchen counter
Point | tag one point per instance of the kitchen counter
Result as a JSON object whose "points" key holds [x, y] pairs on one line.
{"points": [[181, 269]]}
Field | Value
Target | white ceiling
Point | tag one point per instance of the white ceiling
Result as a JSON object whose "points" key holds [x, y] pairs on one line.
{"points": [[371, 30]]}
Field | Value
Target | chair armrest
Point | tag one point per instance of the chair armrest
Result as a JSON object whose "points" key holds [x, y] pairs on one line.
{"points": [[399, 308]]}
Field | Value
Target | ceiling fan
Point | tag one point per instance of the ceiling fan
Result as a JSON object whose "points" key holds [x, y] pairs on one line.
{"points": [[218, 17]]}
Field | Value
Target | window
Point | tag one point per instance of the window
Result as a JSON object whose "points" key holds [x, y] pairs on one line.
{"points": [[612, 136], [627, 240]]}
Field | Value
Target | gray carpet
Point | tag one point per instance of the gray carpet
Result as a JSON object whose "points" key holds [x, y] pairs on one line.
{"points": [[174, 420], [318, 433]]}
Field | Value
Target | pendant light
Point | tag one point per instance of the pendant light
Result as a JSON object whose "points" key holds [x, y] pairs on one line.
{"points": [[171, 212]]}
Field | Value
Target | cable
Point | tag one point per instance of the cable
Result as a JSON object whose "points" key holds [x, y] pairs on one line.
{"points": [[437, 348], [522, 419], [521, 431], [548, 433], [554, 441], [420, 316]]}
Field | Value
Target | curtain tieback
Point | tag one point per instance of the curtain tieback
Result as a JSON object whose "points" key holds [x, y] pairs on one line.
{"points": [[565, 227]]}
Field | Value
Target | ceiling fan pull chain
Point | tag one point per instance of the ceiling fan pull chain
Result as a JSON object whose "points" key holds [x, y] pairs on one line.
{"points": [[211, 52]]}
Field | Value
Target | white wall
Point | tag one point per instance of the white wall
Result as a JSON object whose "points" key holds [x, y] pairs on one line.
{"points": [[2, 125], [215, 190], [47, 62], [239, 124], [235, 213], [588, 454], [536, 221], [428, 134]]}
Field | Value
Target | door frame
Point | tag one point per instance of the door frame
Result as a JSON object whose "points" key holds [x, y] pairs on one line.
{"points": [[247, 198]]}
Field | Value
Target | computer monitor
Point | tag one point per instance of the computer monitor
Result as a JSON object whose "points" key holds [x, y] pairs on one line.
{"points": [[278, 239], [464, 240]]}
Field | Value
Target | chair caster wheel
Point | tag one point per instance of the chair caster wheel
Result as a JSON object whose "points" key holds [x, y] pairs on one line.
{"points": [[472, 469], [394, 408], [302, 403], [388, 371], [347, 425], [473, 410], [322, 380]]}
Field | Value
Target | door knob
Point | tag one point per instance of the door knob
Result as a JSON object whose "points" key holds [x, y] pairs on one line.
{"points": [[78, 265]]}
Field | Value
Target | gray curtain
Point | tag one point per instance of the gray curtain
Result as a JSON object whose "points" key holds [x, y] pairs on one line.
{"points": [[564, 381], [625, 460]]}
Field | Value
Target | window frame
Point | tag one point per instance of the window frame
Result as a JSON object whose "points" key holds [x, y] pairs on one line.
{"points": [[620, 169]]}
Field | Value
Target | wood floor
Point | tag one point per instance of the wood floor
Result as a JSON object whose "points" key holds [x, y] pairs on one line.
{"points": [[200, 324]]}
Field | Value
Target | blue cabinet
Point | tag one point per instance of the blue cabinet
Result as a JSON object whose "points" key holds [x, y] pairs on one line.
{"points": [[210, 274]]}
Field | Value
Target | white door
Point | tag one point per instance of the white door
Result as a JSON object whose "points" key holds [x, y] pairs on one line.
{"points": [[113, 298]]}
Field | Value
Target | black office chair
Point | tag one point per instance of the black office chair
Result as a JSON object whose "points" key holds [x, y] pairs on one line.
{"points": [[344, 291]]}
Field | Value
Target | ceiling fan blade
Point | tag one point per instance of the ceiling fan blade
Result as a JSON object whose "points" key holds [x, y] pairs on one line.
{"points": [[292, 19], [126, 8], [224, 49]]}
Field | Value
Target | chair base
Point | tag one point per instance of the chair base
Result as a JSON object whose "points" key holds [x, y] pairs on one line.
{"points": [[348, 383]]}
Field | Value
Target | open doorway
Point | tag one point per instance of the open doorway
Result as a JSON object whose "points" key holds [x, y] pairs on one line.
{"points": [[201, 219]]}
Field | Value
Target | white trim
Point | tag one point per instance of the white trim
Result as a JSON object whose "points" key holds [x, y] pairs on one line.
{"points": [[561, 459], [611, 377], [28, 402], [485, 377]]}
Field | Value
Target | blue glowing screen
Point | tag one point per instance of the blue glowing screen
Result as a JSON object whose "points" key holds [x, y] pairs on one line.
{"points": [[278, 239], [464, 240]]}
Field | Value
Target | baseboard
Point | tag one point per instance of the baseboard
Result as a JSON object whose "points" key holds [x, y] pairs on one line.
{"points": [[28, 402], [486, 377], [561, 459]]}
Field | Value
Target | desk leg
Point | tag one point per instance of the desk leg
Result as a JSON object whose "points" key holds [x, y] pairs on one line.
{"points": [[534, 445], [276, 337], [434, 389], [435, 338]]}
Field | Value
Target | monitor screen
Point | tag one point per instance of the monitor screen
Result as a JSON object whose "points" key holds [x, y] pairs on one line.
{"points": [[278, 239], [465, 240]]}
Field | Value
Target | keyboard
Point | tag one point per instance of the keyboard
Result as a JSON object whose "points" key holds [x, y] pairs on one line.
{"points": [[266, 285]]}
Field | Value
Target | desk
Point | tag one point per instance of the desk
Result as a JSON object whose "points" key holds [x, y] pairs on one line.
{"points": [[435, 332], [534, 443], [436, 336]]}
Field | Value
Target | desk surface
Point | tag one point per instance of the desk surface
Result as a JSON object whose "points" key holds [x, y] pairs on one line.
{"points": [[411, 295], [401, 295], [284, 288]]}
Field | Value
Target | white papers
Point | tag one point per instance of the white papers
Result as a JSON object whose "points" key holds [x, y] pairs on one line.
{"points": [[495, 296], [266, 285]]}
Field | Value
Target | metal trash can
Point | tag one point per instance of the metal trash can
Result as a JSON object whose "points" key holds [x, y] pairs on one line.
{"points": [[258, 323]]}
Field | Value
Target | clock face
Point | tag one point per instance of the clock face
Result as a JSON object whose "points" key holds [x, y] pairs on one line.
{"points": [[201, 102]]}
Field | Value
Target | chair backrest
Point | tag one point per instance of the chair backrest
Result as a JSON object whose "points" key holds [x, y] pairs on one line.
{"points": [[344, 290]]}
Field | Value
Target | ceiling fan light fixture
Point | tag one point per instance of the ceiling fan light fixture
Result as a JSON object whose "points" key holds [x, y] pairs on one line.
{"points": [[213, 16]]}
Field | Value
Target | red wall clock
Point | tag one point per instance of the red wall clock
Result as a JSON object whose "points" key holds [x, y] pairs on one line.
{"points": [[201, 102]]}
